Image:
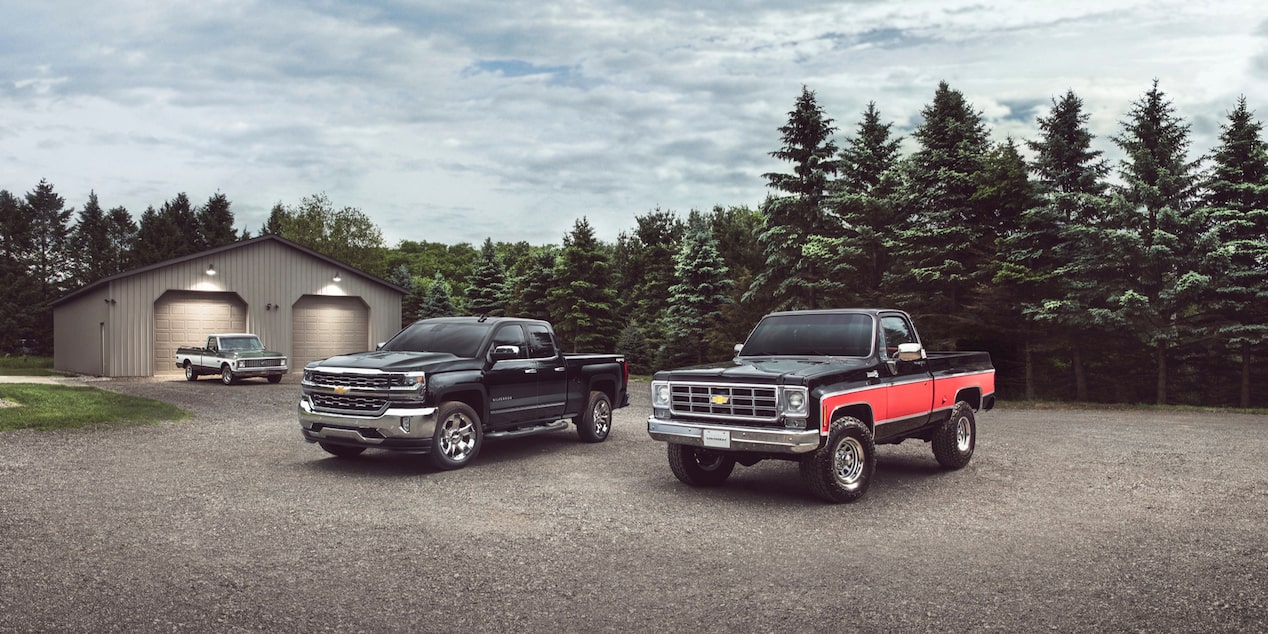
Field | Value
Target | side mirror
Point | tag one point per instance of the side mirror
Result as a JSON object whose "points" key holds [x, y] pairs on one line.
{"points": [[738, 347], [910, 352], [379, 345], [501, 353]]}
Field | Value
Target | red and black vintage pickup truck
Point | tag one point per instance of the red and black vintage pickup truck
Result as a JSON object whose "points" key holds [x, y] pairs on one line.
{"points": [[821, 387]]}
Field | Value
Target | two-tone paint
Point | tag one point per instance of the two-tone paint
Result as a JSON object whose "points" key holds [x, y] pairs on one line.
{"points": [[896, 398]]}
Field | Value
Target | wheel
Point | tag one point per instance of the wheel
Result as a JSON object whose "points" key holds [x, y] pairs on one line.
{"points": [[595, 423], [343, 451], [841, 470], [458, 436], [953, 442], [275, 378], [226, 375], [699, 467], [190, 375]]}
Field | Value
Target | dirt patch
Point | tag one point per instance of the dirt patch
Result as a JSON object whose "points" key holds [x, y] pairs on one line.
{"points": [[4, 404]]}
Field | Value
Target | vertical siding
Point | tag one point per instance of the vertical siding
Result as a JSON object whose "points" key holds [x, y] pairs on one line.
{"points": [[260, 274]]}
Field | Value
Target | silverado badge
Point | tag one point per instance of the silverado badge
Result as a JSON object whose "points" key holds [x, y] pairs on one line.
{"points": [[719, 400]]}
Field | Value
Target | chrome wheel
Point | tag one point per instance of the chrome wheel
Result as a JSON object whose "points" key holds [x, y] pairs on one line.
{"points": [[601, 414], [457, 437], [963, 433], [848, 461]]}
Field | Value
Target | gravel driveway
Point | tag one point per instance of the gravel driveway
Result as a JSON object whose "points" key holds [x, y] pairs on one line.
{"points": [[1075, 520]]}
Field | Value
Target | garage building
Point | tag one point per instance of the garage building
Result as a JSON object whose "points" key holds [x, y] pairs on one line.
{"points": [[298, 301]]}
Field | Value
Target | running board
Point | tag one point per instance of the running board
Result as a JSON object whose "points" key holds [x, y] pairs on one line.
{"points": [[529, 431]]}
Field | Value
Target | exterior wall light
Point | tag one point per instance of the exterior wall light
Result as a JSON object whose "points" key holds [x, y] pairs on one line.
{"points": [[211, 269], [338, 277]]}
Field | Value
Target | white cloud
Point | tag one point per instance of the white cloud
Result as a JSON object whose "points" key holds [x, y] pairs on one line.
{"points": [[453, 122]]}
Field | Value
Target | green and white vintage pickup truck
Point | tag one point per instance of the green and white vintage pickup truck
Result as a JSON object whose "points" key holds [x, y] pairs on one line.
{"points": [[233, 356]]}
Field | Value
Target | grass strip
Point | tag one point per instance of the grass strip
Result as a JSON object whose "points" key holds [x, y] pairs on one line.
{"points": [[49, 407]]}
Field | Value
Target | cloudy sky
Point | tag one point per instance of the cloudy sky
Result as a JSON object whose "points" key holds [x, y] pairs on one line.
{"points": [[452, 121]]}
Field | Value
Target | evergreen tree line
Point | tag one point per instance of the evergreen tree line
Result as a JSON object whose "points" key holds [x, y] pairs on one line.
{"points": [[1135, 282]]}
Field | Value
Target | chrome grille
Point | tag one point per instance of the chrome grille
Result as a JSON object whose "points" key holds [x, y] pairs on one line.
{"points": [[261, 363], [349, 403], [360, 381], [725, 401]]}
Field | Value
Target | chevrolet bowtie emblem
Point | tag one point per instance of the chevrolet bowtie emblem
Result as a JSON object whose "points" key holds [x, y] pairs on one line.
{"points": [[341, 390], [719, 400]]}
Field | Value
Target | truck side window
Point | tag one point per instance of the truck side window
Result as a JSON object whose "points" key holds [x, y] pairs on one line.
{"points": [[511, 336], [540, 344], [211, 343], [894, 331]]}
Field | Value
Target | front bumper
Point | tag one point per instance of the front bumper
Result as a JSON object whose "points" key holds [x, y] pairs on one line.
{"points": [[387, 431], [732, 438]]}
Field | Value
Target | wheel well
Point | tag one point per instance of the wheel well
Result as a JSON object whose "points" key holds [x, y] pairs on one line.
{"points": [[972, 396], [472, 398], [861, 411], [607, 386]]}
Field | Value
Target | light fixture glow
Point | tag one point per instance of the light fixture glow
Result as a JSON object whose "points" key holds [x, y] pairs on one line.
{"points": [[211, 269], [338, 277]]}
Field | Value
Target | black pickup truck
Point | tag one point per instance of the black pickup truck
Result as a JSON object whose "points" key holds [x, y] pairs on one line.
{"points": [[443, 386], [822, 388]]}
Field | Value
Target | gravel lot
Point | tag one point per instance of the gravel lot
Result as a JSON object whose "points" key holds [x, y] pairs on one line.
{"points": [[1075, 520]]}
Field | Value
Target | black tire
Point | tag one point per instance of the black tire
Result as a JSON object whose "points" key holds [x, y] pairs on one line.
{"points": [[275, 378], [458, 436], [954, 441], [342, 451], [190, 374], [226, 375], [841, 470], [595, 423], [699, 467]]}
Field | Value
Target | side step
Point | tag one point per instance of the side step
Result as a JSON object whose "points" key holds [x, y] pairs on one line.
{"points": [[529, 431]]}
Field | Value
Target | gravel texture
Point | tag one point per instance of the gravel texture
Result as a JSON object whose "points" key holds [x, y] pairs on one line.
{"points": [[1078, 520]]}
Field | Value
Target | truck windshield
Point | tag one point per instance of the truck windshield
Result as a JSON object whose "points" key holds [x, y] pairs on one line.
{"points": [[241, 343], [831, 335], [459, 339]]}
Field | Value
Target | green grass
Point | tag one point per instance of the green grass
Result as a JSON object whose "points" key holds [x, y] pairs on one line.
{"points": [[1066, 405], [48, 407], [28, 366]]}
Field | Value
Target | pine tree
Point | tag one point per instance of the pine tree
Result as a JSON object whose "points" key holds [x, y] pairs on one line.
{"points": [[91, 243], [633, 345], [1054, 262], [644, 263], [277, 219], [46, 264], [182, 219], [701, 290], [1237, 198], [158, 239], [215, 222], [943, 217], [1172, 238], [864, 201], [584, 302], [796, 273], [437, 300], [531, 287], [18, 291], [486, 290], [121, 234]]}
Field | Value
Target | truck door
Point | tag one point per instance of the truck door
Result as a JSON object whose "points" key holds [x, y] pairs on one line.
{"points": [[511, 382], [552, 372], [909, 386]]}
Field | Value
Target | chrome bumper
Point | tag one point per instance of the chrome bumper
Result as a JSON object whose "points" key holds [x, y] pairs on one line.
{"points": [[400, 429], [728, 437]]}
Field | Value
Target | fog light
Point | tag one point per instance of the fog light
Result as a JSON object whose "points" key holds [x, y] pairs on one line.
{"points": [[405, 424]]}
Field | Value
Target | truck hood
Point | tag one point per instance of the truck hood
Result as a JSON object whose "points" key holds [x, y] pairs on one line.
{"points": [[397, 361], [768, 370]]}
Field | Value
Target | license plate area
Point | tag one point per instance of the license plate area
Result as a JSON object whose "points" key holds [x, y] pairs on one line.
{"points": [[717, 438]]}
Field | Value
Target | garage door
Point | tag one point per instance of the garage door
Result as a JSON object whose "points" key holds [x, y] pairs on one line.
{"points": [[185, 318], [325, 326]]}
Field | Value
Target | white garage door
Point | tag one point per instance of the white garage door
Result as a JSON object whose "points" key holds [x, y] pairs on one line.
{"points": [[325, 326], [185, 318]]}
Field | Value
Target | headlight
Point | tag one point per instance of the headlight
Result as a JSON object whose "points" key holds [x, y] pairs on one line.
{"points": [[308, 375], [660, 394], [795, 401], [416, 380]]}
